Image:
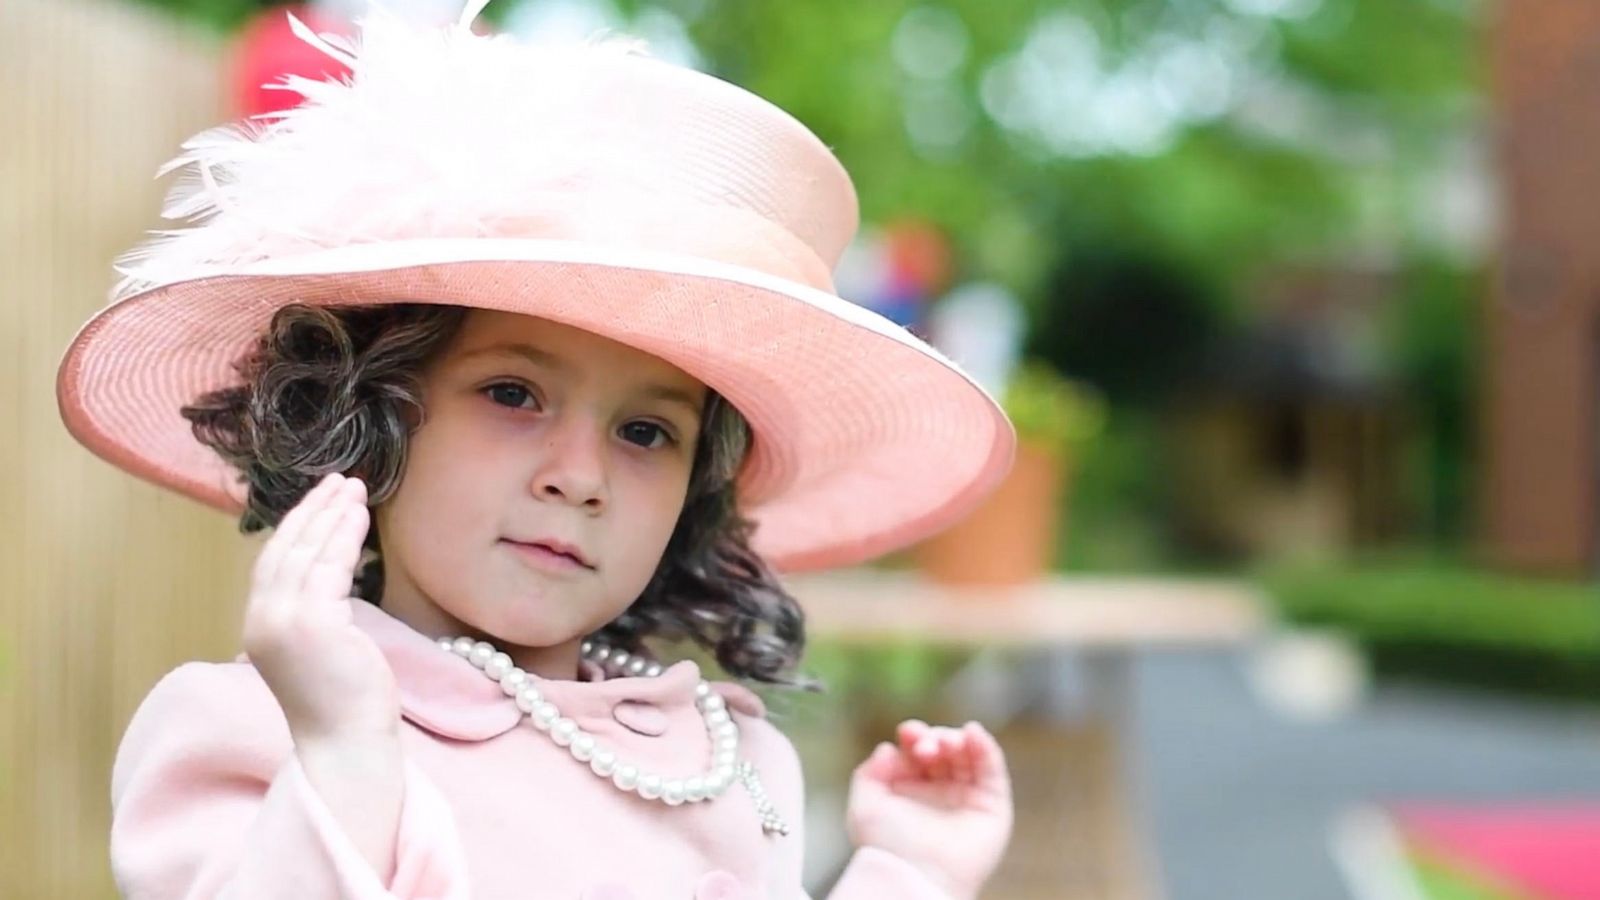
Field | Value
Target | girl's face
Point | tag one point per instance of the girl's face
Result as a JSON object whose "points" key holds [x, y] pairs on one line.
{"points": [[536, 433]]}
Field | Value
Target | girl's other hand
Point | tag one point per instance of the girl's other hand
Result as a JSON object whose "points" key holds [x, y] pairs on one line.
{"points": [[330, 678], [941, 800]]}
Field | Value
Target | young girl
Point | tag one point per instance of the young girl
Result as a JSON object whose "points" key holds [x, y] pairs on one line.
{"points": [[534, 352]]}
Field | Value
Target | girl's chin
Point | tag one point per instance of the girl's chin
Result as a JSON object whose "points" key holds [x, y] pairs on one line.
{"points": [[524, 628]]}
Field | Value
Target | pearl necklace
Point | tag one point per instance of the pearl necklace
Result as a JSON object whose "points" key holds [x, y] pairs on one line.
{"points": [[725, 769]]}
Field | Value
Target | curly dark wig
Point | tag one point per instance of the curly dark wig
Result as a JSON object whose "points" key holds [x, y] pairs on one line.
{"points": [[339, 389]]}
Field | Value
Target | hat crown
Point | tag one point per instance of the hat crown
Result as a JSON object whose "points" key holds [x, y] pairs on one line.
{"points": [[443, 133], [712, 143]]}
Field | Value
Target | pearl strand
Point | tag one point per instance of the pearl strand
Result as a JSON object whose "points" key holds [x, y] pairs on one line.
{"points": [[603, 761]]}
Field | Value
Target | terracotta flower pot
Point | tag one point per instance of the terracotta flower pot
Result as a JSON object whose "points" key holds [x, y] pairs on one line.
{"points": [[1011, 538]]}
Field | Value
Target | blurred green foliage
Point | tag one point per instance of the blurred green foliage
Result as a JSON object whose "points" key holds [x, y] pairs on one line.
{"points": [[1433, 329], [1114, 512], [887, 675], [1442, 621], [1131, 322], [1223, 198], [1051, 411], [222, 16]]}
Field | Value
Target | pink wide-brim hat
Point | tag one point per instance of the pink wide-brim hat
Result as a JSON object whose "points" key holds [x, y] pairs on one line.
{"points": [[589, 185]]}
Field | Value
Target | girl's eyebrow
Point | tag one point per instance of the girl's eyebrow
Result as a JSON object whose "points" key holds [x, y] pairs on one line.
{"points": [[552, 361], [526, 351], [673, 395]]}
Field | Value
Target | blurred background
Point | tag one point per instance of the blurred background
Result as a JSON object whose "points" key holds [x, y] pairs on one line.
{"points": [[1292, 593]]}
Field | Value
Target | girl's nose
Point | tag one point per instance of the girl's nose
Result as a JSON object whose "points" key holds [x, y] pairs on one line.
{"points": [[572, 466]]}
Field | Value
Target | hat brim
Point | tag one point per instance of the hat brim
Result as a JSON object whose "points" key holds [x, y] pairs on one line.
{"points": [[866, 439]]}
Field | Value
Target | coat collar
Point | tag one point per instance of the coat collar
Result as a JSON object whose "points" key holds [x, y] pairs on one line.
{"points": [[445, 694]]}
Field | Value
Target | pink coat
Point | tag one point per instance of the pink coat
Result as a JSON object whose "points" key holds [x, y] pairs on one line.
{"points": [[209, 800]]}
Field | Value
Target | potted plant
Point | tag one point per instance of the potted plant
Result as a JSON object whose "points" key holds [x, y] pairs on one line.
{"points": [[1011, 538]]}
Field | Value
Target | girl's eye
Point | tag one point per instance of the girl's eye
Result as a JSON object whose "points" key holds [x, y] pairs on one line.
{"points": [[509, 394], [646, 434]]}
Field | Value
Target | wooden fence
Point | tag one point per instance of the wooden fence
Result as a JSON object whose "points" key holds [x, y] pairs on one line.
{"points": [[105, 583]]}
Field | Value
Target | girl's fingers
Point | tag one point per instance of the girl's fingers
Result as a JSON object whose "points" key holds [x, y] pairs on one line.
{"points": [[343, 548], [944, 761], [913, 735], [927, 754], [312, 540], [959, 754], [975, 753], [989, 761], [911, 730], [906, 738], [331, 573], [303, 513], [288, 529], [888, 764], [965, 755]]}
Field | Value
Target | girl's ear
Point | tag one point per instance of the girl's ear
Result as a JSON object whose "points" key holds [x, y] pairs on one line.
{"points": [[412, 414]]}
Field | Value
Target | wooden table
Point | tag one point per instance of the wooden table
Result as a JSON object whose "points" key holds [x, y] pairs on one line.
{"points": [[1078, 835], [868, 606]]}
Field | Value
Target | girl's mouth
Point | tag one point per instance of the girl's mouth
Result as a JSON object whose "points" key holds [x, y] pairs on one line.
{"points": [[550, 556]]}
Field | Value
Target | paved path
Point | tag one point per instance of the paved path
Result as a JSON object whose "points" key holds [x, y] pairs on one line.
{"points": [[1240, 800]]}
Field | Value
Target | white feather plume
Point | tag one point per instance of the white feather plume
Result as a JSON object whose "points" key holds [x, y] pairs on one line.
{"points": [[435, 132]]}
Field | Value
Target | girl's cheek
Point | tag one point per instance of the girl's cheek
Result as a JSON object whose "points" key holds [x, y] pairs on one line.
{"points": [[661, 475], [489, 432]]}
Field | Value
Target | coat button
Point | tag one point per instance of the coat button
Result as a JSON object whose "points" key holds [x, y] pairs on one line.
{"points": [[641, 718]]}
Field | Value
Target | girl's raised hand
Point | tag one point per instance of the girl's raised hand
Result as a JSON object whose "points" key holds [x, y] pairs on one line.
{"points": [[940, 799], [330, 678]]}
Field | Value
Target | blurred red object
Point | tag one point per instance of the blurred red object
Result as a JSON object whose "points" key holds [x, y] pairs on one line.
{"points": [[919, 257], [1543, 851], [268, 50]]}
